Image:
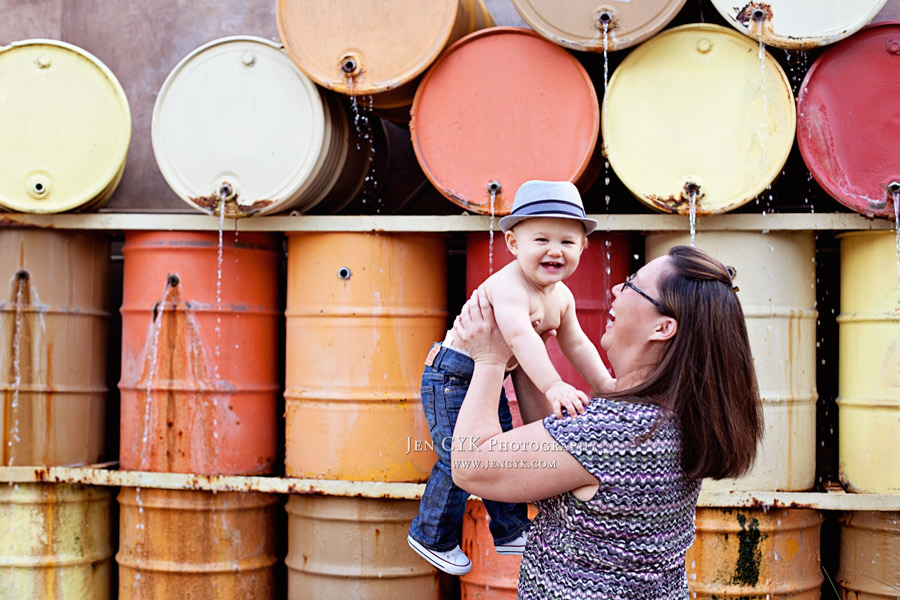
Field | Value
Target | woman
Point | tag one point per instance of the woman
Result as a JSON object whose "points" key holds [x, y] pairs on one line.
{"points": [[617, 481]]}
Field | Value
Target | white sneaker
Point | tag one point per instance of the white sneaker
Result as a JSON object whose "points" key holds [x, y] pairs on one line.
{"points": [[454, 561], [516, 546]]}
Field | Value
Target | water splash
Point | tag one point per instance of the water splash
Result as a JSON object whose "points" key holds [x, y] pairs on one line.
{"points": [[693, 215], [492, 190]]}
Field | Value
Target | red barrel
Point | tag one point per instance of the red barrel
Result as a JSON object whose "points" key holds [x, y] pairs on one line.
{"points": [[502, 106], [200, 327], [604, 262], [847, 125]]}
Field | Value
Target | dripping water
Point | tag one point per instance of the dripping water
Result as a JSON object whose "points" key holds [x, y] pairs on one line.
{"points": [[693, 215], [492, 189], [895, 194], [20, 283]]}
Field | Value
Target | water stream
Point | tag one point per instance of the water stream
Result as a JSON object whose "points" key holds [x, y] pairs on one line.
{"points": [[896, 197], [493, 192], [20, 282], [693, 215]]}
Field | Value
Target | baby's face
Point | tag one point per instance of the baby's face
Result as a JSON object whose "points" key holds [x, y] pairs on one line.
{"points": [[548, 249]]}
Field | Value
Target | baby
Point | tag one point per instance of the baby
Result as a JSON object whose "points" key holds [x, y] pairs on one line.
{"points": [[546, 232]]}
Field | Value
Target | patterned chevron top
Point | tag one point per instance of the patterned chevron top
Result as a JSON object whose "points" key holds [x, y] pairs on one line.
{"points": [[628, 542]]}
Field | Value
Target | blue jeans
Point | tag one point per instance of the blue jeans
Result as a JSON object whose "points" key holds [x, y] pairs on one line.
{"points": [[444, 386]]}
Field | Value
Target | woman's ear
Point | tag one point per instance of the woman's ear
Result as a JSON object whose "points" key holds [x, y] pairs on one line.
{"points": [[511, 242], [665, 329]]}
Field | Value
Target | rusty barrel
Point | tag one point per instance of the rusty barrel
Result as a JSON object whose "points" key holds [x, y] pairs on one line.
{"points": [[66, 129], [776, 274], [868, 373], [362, 311], [870, 556], [53, 330], [798, 24], [666, 151], [754, 554], [177, 544], [470, 114], [199, 382], [853, 158], [354, 548], [493, 576], [208, 144], [55, 542], [352, 46], [604, 262], [588, 25]]}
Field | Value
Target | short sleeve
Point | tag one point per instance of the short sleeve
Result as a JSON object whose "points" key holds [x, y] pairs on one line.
{"points": [[610, 435]]}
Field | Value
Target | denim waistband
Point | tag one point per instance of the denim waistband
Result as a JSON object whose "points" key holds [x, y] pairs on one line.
{"points": [[453, 361]]}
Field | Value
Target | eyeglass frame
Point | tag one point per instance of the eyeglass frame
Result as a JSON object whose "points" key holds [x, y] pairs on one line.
{"points": [[662, 309]]}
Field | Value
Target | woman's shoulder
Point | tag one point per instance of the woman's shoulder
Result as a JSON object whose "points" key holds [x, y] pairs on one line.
{"points": [[624, 415]]}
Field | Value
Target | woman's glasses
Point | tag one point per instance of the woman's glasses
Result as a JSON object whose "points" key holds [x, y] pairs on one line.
{"points": [[657, 304]]}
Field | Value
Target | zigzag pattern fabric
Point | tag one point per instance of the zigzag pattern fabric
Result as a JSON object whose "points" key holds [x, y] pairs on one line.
{"points": [[628, 542]]}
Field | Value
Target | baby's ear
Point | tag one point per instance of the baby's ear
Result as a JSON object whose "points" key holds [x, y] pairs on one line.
{"points": [[511, 242]]}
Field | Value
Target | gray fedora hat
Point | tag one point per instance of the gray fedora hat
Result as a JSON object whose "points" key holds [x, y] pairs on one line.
{"points": [[557, 199]]}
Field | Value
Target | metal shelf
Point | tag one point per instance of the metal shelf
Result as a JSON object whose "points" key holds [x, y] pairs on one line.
{"points": [[431, 223], [834, 499]]}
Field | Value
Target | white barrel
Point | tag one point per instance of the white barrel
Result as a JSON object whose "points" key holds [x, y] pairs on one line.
{"points": [[237, 121], [776, 274]]}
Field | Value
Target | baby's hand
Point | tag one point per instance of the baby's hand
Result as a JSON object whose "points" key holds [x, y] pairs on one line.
{"points": [[561, 394]]}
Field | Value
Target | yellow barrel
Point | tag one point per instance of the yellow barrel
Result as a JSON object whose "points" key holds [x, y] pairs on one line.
{"points": [[869, 372], [362, 311], [195, 545], [870, 556], [55, 542], [354, 548], [53, 334], [580, 24], [754, 554], [66, 127], [718, 125], [776, 274], [375, 49], [237, 99]]}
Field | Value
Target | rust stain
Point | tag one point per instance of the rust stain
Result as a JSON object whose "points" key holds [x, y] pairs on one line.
{"points": [[746, 570], [232, 207], [745, 15]]}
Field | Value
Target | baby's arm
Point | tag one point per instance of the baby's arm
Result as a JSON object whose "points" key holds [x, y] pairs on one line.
{"points": [[511, 310], [581, 352]]}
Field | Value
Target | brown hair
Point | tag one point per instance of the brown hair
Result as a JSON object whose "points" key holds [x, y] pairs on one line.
{"points": [[706, 374]]}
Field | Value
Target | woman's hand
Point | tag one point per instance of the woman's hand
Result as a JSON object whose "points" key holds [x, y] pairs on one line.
{"points": [[477, 331]]}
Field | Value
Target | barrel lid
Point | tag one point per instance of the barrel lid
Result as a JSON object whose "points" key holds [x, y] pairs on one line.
{"points": [[848, 125], [579, 24], [797, 24], [384, 44], [696, 107], [237, 118], [65, 125], [503, 105]]}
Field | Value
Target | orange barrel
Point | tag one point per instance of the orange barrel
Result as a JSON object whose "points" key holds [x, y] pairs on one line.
{"points": [[235, 100], [354, 548], [604, 262], [362, 311], [755, 554], [776, 274], [199, 382], [500, 107], [870, 556], [363, 48], [493, 576], [582, 24], [798, 23], [667, 151], [55, 542], [868, 371], [195, 545], [66, 129], [53, 330]]}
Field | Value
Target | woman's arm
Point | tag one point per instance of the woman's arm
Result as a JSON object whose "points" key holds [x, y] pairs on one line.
{"points": [[520, 465]]}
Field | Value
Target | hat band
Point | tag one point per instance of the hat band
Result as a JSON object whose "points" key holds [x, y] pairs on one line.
{"points": [[543, 207]]}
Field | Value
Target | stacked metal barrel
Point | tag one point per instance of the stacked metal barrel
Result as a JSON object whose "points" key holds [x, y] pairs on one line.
{"points": [[321, 107]]}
